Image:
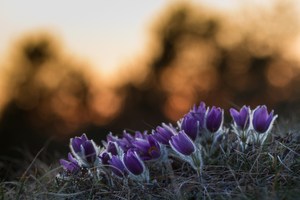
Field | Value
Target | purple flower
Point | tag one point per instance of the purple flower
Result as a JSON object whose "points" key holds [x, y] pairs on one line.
{"points": [[148, 149], [193, 121], [139, 134], [164, 133], [76, 142], [125, 142], [71, 165], [214, 119], [111, 137], [89, 151], [133, 163], [112, 148], [128, 136], [84, 150], [182, 144], [241, 118], [262, 120], [117, 166], [104, 157]]}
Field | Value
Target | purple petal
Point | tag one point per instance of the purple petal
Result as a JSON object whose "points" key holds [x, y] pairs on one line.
{"points": [[160, 137], [77, 142], [141, 135], [193, 121], [241, 118], [147, 148], [72, 159], [112, 148], [235, 115], [182, 144], [117, 166], [124, 144], [190, 125], [89, 151], [214, 119], [105, 157], [154, 150], [163, 134], [84, 137], [128, 137], [70, 166], [133, 163], [261, 119], [138, 134], [64, 163], [141, 144], [111, 138]]}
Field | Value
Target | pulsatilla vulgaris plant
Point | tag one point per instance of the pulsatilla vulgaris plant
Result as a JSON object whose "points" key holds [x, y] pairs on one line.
{"points": [[252, 126], [85, 151], [199, 138], [205, 127]]}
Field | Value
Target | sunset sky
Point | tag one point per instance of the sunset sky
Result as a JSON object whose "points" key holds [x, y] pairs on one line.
{"points": [[104, 33]]}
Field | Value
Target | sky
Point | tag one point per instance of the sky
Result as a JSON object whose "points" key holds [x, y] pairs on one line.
{"points": [[105, 33]]}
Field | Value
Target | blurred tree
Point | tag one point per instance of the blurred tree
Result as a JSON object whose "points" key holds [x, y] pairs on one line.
{"points": [[226, 60], [199, 54], [47, 94]]}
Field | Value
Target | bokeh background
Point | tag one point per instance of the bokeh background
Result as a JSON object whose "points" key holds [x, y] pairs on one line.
{"points": [[69, 67]]}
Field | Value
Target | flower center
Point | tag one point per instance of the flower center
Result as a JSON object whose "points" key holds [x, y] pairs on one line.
{"points": [[151, 149]]}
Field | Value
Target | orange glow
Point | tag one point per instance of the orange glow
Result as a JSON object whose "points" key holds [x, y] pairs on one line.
{"points": [[176, 106], [105, 106], [280, 75], [3, 98]]}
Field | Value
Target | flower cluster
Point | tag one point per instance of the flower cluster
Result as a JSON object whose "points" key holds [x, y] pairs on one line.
{"points": [[199, 136], [252, 127]]}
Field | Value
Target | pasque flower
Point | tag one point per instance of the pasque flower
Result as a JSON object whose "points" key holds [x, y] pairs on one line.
{"points": [[105, 157], [164, 133], [193, 122], [148, 148], [117, 166], [125, 142], [84, 150], [187, 150], [252, 127], [242, 126], [71, 165], [135, 166], [76, 142], [142, 135], [111, 137], [214, 119], [182, 144], [262, 121], [89, 151], [112, 147], [133, 163], [241, 118]]}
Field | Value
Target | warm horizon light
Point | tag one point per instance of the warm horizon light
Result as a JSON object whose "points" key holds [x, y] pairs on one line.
{"points": [[104, 33]]}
